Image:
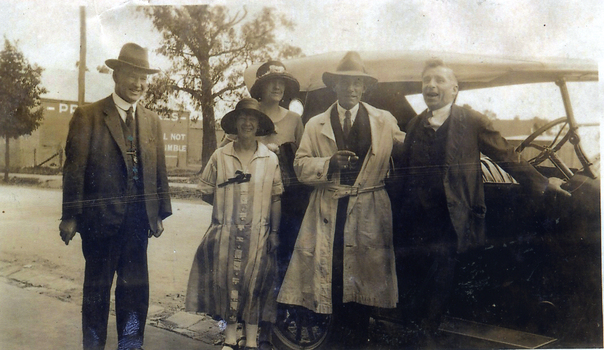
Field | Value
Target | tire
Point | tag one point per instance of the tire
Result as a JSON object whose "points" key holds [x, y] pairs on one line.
{"points": [[298, 328]]}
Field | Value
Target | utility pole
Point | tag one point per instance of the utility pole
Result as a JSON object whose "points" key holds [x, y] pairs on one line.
{"points": [[82, 65]]}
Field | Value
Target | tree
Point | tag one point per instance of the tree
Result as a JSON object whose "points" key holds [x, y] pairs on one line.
{"points": [[20, 92], [209, 49], [490, 114]]}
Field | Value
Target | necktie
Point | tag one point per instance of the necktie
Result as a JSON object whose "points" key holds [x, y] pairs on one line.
{"points": [[347, 123], [132, 149], [130, 119]]}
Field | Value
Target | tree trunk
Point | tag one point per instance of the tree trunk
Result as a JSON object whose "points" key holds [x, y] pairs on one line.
{"points": [[209, 120], [209, 135], [6, 158]]}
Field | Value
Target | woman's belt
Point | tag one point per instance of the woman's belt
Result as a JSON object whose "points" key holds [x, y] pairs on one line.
{"points": [[342, 191]]}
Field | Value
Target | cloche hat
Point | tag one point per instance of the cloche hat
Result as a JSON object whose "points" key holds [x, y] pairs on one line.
{"points": [[272, 70], [249, 106], [133, 56], [350, 65]]}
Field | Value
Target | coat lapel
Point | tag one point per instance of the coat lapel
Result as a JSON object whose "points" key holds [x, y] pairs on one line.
{"points": [[144, 131], [114, 124], [457, 130], [377, 125], [327, 130]]}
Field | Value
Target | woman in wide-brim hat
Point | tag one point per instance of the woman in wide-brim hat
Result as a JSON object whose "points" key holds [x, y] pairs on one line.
{"points": [[233, 277], [274, 86], [247, 106]]}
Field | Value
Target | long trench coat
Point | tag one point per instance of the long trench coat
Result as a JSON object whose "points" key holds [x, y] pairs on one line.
{"points": [[369, 270]]}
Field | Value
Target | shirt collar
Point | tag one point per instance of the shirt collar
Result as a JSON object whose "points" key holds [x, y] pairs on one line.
{"points": [[353, 113], [261, 150], [122, 104], [439, 116]]}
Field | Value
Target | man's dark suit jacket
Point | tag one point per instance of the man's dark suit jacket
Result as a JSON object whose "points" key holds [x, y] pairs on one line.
{"points": [[471, 133], [95, 174]]}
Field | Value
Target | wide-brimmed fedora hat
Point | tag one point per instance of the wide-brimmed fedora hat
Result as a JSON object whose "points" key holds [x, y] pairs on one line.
{"points": [[247, 106], [273, 70], [132, 56], [350, 65]]}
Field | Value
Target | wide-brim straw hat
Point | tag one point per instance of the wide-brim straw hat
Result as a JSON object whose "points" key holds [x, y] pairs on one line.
{"points": [[132, 56], [351, 65], [247, 106], [274, 70]]}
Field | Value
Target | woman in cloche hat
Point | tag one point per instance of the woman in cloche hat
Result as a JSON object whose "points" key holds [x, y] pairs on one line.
{"points": [[274, 84], [234, 271]]}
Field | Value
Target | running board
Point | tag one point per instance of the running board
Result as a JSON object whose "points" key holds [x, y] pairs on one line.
{"points": [[495, 334]]}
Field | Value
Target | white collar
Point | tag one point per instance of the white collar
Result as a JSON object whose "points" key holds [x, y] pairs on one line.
{"points": [[353, 113], [439, 116], [122, 104]]}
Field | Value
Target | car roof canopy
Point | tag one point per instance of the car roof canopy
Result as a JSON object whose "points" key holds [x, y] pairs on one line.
{"points": [[404, 68]]}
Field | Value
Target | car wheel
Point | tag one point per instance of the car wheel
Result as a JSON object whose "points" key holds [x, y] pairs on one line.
{"points": [[299, 328]]}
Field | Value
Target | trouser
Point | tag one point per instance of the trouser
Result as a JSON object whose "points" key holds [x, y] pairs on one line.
{"points": [[426, 266], [351, 319], [125, 254]]}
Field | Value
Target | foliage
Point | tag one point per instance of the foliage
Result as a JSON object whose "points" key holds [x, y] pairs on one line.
{"points": [[490, 114], [209, 49], [20, 92], [538, 122]]}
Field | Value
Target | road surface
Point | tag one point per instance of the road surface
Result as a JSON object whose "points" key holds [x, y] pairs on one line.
{"points": [[32, 253]]}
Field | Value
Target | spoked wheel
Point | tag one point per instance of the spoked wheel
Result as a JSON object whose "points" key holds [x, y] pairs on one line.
{"points": [[564, 135], [299, 328]]}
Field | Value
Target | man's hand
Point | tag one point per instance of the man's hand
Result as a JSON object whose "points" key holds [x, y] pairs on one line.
{"points": [[343, 160], [160, 229], [273, 241], [68, 229], [554, 187]]}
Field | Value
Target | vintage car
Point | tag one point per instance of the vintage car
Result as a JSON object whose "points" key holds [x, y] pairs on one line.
{"points": [[537, 281]]}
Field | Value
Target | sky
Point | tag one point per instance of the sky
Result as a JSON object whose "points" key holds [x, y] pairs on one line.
{"points": [[48, 33], [48, 30]]}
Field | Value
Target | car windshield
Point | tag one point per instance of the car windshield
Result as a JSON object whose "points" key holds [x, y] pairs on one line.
{"points": [[518, 110]]}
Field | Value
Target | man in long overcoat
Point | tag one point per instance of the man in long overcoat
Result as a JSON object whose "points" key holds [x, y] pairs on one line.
{"points": [[443, 189], [343, 259], [115, 194]]}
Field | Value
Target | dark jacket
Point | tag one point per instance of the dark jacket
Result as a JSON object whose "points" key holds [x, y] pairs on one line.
{"points": [[470, 134], [95, 174]]}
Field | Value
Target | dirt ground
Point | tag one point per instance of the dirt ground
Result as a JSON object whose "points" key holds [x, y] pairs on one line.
{"points": [[32, 251]]}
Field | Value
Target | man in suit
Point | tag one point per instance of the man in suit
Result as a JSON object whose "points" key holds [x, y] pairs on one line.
{"points": [[343, 260], [115, 194], [443, 188]]}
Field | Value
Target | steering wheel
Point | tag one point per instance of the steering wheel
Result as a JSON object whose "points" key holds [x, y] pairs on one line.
{"points": [[546, 152]]}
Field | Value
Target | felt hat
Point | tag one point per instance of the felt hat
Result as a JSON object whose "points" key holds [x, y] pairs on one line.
{"points": [[273, 70], [132, 56], [247, 106], [350, 65]]}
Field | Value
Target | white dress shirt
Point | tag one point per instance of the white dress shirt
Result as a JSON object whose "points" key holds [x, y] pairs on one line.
{"points": [[342, 114], [123, 106]]}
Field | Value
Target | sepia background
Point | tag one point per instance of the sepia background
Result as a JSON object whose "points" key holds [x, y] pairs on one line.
{"points": [[32, 256]]}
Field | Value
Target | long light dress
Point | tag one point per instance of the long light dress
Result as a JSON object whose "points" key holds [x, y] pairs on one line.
{"points": [[233, 276]]}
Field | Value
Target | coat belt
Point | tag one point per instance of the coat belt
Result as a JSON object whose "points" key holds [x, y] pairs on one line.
{"points": [[342, 191]]}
